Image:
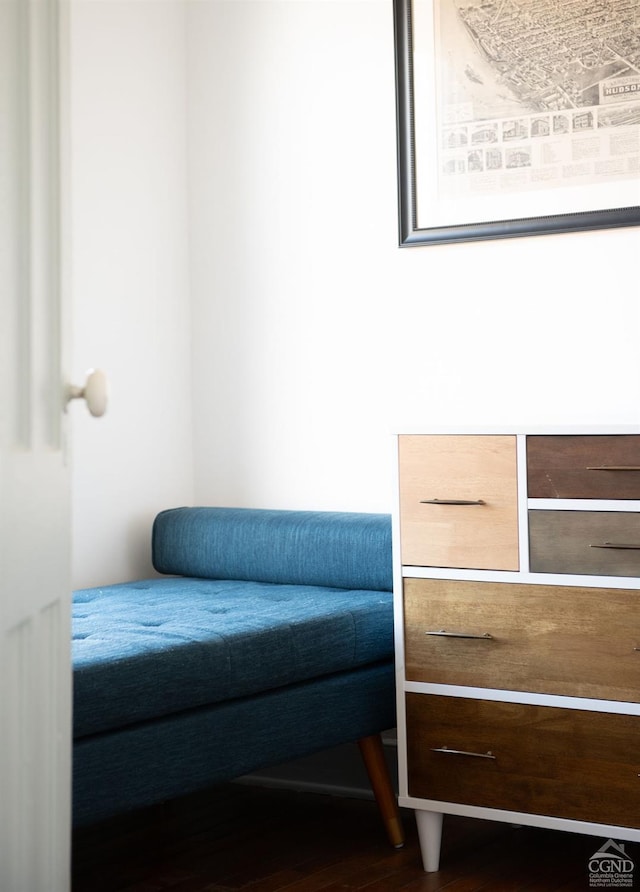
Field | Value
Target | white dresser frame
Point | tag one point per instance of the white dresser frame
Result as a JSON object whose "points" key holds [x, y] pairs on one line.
{"points": [[429, 813]]}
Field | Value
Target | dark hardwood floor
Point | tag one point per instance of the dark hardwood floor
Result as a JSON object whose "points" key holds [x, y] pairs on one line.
{"points": [[239, 837]]}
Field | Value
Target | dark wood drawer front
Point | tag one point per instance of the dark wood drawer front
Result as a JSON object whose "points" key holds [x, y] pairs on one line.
{"points": [[593, 467], [602, 543], [574, 641], [537, 759]]}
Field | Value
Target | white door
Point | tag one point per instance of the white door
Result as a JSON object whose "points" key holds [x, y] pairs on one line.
{"points": [[35, 677]]}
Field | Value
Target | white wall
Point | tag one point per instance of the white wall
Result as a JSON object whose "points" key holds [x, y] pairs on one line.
{"points": [[130, 279], [315, 336], [310, 336]]}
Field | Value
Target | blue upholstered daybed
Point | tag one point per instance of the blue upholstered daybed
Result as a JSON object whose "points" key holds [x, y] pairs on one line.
{"points": [[268, 636]]}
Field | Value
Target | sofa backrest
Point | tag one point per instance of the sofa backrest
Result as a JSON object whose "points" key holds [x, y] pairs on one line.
{"points": [[337, 549]]}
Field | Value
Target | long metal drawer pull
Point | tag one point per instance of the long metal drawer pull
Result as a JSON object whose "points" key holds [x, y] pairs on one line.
{"points": [[452, 502], [614, 468], [629, 546], [445, 749], [444, 634]]}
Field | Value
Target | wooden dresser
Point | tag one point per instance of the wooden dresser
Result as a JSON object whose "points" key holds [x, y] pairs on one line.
{"points": [[518, 630]]}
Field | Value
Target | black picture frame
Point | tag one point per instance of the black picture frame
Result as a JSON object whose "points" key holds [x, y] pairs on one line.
{"points": [[412, 230]]}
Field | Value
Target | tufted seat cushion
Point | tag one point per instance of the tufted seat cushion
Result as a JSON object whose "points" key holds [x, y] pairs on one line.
{"points": [[152, 648]]}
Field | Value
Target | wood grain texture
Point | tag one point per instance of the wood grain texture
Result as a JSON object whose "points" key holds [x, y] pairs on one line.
{"points": [[562, 762], [581, 542], [558, 467], [464, 468], [236, 837], [573, 641]]}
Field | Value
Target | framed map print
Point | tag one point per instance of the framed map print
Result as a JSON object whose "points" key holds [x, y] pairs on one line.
{"points": [[516, 117]]}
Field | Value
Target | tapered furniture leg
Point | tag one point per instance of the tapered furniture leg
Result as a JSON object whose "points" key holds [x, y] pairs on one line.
{"points": [[430, 835], [378, 771]]}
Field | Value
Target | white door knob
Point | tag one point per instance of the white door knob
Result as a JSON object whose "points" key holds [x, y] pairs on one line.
{"points": [[95, 392]]}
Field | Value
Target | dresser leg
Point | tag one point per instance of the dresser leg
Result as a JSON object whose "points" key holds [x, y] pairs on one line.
{"points": [[430, 833]]}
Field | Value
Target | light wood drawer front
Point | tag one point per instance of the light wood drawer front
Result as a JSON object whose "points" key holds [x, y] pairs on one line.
{"points": [[602, 543], [593, 467], [571, 641], [458, 501], [536, 759]]}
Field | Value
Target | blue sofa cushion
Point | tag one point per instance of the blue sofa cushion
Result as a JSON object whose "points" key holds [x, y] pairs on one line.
{"points": [[151, 761], [328, 548], [155, 647]]}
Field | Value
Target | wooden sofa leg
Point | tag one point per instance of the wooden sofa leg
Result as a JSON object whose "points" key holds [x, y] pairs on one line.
{"points": [[378, 771]]}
